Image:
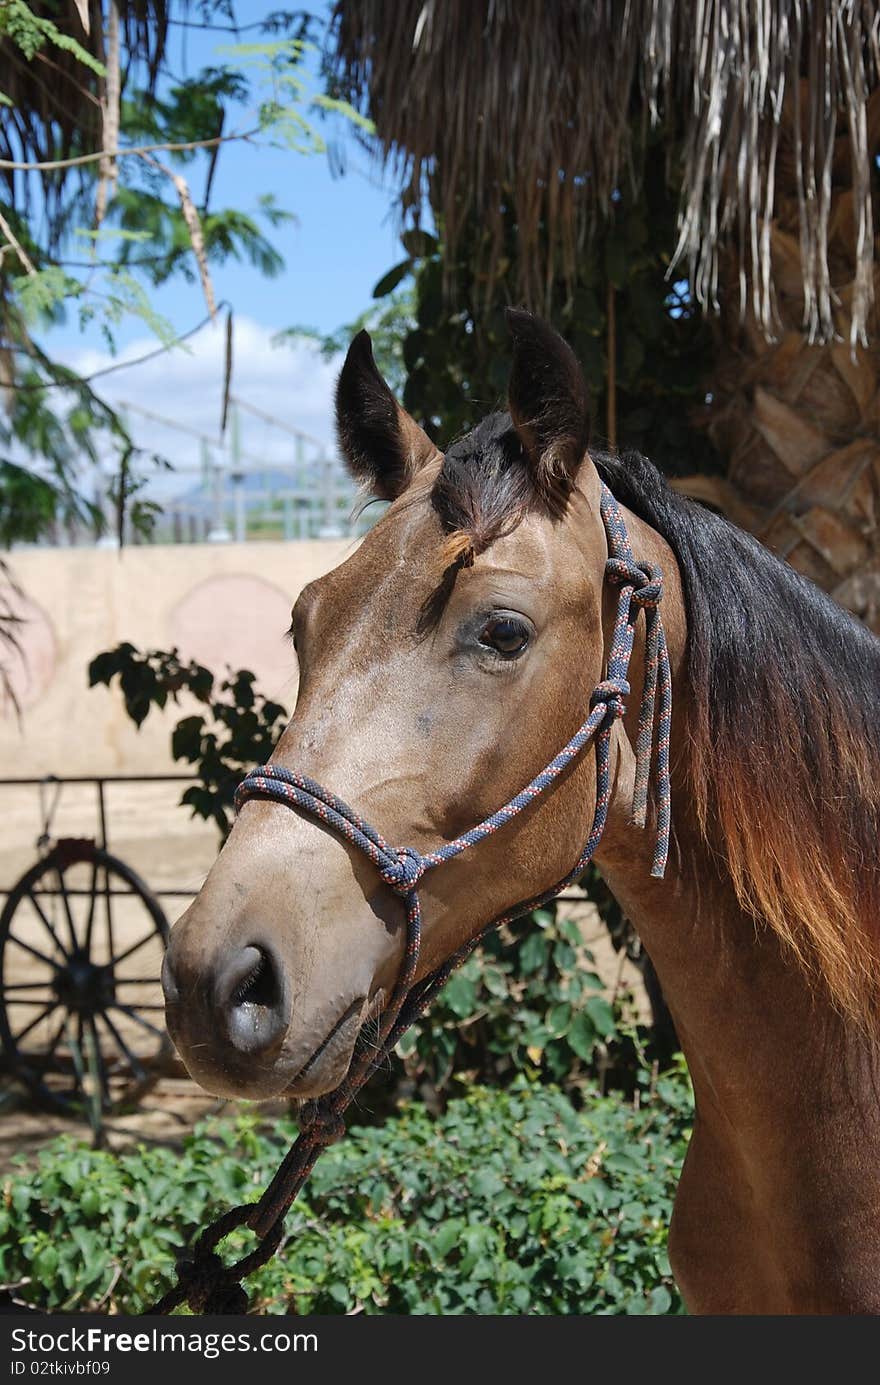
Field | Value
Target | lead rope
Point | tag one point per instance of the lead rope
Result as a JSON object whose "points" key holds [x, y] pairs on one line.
{"points": [[203, 1281]]}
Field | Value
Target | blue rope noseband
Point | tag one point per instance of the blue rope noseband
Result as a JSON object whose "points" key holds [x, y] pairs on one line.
{"points": [[206, 1284]]}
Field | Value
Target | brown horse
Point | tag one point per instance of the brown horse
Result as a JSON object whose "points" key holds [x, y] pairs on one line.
{"points": [[441, 667]]}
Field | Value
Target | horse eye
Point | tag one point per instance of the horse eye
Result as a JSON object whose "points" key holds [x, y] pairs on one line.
{"points": [[505, 635]]}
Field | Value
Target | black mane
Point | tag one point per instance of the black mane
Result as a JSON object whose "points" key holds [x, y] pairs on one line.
{"points": [[783, 747], [747, 609]]}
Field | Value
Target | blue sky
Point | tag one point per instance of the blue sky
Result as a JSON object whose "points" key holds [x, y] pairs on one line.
{"points": [[344, 239]]}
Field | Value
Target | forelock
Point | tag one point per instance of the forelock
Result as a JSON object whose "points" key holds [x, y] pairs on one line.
{"points": [[483, 488]]}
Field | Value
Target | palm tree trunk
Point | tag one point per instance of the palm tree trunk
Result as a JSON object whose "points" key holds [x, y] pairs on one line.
{"points": [[797, 422]]}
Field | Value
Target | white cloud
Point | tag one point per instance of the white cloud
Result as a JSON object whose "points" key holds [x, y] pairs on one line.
{"points": [[185, 386]]}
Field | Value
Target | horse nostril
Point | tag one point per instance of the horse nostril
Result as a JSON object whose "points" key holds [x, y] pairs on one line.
{"points": [[251, 997], [258, 985]]}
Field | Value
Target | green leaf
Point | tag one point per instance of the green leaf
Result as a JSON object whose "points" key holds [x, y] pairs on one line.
{"points": [[582, 1036], [90, 1202], [46, 1263], [460, 994], [388, 283], [418, 244], [39, 293], [31, 31], [186, 738], [601, 1015], [533, 953], [487, 1184], [102, 668], [21, 1197], [660, 1300], [558, 1020], [446, 1237]]}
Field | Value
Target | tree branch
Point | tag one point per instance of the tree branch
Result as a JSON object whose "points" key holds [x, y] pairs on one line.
{"points": [[70, 379], [109, 116], [193, 225], [19, 249], [49, 164]]}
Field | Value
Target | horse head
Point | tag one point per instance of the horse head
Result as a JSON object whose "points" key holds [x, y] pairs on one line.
{"points": [[441, 667]]}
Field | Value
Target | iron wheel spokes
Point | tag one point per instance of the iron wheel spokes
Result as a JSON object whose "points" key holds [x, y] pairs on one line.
{"points": [[49, 1053], [130, 1009], [96, 1065], [138, 1019], [41, 956], [89, 1056], [24, 986], [135, 947], [108, 917], [132, 1059], [75, 1047], [68, 912], [44, 1014], [90, 918], [48, 925], [31, 1003]]}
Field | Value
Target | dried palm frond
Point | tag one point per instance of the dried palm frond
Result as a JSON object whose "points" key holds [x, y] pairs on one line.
{"points": [[482, 96]]}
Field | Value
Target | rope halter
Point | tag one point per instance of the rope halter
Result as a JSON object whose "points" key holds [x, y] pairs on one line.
{"points": [[201, 1283], [401, 868]]}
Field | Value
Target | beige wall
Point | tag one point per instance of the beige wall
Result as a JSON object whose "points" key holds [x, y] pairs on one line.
{"points": [[219, 602]]}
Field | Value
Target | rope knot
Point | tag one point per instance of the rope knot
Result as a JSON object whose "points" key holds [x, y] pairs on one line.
{"points": [[404, 871], [613, 692], [229, 1301], [646, 580], [201, 1277], [326, 1125]]}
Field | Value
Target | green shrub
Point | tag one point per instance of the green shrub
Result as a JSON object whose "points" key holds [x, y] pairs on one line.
{"points": [[528, 1001], [510, 1202]]}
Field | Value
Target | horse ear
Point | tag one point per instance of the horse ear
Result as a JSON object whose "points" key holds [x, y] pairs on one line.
{"points": [[382, 445], [548, 402]]}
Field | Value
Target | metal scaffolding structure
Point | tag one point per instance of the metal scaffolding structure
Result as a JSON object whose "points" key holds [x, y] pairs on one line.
{"points": [[234, 495]]}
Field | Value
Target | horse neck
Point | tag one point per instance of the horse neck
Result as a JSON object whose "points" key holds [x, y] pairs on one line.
{"points": [[750, 1018], [777, 1207]]}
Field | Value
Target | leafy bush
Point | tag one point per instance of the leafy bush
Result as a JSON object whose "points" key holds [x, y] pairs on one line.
{"points": [[511, 1202], [529, 1001], [238, 729]]}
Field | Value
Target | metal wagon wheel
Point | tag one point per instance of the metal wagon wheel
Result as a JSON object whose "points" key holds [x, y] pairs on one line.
{"points": [[81, 947]]}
